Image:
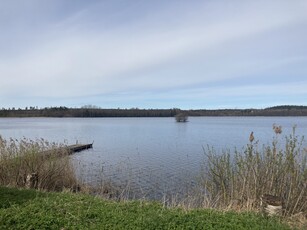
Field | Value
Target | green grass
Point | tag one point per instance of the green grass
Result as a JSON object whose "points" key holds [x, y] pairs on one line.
{"points": [[30, 209], [12, 196]]}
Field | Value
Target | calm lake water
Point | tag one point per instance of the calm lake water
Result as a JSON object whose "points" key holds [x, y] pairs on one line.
{"points": [[154, 156]]}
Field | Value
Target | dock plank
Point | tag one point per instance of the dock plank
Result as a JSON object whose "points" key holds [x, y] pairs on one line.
{"points": [[78, 147], [70, 149]]}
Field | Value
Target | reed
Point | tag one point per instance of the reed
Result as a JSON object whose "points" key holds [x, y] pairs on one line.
{"points": [[24, 164], [239, 180]]}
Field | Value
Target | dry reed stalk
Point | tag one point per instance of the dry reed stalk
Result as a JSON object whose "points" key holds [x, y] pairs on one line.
{"points": [[248, 175], [22, 164]]}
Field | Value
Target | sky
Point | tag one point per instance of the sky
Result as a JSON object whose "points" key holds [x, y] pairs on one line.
{"points": [[208, 54]]}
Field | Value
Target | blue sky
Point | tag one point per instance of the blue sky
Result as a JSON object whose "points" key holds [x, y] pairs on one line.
{"points": [[153, 54]]}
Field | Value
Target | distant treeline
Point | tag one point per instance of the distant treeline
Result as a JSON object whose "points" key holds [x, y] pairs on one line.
{"points": [[286, 110]]}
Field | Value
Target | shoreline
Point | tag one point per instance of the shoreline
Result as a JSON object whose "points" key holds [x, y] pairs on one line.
{"points": [[61, 112]]}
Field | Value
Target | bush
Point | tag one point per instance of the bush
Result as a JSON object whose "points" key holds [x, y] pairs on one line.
{"points": [[45, 165], [181, 117], [241, 179]]}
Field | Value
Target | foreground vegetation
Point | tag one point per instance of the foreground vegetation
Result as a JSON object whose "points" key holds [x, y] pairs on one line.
{"points": [[20, 159], [231, 181], [30, 209]]}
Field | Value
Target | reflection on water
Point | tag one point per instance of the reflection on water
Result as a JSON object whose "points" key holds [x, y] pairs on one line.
{"points": [[154, 156]]}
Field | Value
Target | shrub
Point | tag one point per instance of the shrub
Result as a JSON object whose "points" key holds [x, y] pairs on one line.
{"points": [[181, 117]]}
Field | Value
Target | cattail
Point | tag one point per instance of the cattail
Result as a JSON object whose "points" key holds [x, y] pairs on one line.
{"points": [[277, 129], [251, 137]]}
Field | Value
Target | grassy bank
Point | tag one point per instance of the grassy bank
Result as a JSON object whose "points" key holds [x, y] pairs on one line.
{"points": [[30, 209]]}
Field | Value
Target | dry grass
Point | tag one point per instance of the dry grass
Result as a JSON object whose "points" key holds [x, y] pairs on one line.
{"points": [[21, 158], [237, 181]]}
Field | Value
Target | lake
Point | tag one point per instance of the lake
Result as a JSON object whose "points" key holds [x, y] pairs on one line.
{"points": [[150, 156]]}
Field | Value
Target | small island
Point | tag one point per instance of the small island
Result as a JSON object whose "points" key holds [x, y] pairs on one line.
{"points": [[181, 117]]}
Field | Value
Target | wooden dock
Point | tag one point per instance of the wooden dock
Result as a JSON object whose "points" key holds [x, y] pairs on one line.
{"points": [[78, 147], [69, 149]]}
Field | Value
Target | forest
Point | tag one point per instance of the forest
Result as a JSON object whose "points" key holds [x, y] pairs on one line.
{"points": [[93, 111]]}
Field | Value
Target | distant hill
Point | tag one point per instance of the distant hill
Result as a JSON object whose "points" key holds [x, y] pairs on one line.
{"points": [[287, 107]]}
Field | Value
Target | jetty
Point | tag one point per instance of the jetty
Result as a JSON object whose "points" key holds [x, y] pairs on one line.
{"points": [[67, 150], [78, 147]]}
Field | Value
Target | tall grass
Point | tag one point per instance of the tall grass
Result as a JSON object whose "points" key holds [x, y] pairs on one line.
{"points": [[239, 179], [47, 161]]}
